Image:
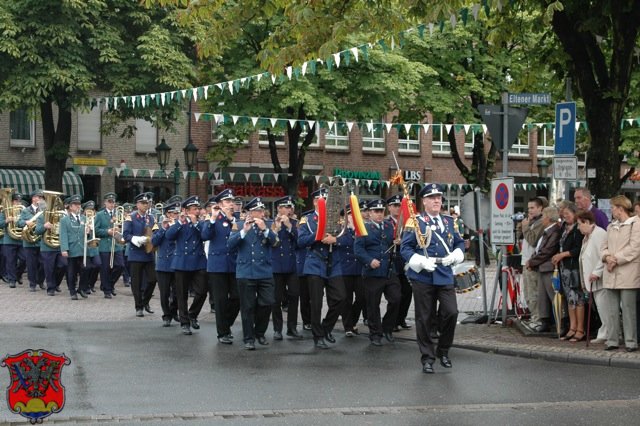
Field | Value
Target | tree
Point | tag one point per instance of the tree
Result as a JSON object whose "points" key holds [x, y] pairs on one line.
{"points": [[360, 92], [55, 55], [593, 42]]}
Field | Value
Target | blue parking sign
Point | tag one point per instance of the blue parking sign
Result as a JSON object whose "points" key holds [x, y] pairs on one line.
{"points": [[565, 134]]}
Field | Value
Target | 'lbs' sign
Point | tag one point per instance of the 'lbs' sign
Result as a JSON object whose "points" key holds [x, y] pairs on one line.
{"points": [[565, 129]]}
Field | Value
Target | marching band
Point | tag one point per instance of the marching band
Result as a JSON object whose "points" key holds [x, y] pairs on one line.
{"points": [[250, 264]]}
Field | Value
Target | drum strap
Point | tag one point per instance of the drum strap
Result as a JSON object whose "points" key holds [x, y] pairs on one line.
{"points": [[446, 247]]}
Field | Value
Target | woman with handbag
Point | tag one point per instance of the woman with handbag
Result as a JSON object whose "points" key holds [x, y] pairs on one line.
{"points": [[568, 262], [621, 256]]}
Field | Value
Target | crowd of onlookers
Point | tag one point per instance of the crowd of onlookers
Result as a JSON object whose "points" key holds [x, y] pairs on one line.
{"points": [[574, 250]]}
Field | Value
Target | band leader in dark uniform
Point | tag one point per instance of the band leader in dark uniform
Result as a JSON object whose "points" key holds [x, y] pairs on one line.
{"points": [[430, 249]]}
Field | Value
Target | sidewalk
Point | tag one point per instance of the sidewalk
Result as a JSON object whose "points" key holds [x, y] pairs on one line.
{"points": [[19, 306]]}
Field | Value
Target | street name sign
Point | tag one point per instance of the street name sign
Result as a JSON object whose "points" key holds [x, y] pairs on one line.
{"points": [[528, 98]]}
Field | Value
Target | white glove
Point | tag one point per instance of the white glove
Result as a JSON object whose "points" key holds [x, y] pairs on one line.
{"points": [[416, 263], [454, 258], [138, 241], [429, 264]]}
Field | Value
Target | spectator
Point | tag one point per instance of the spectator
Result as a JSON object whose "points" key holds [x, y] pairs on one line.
{"points": [[567, 261], [545, 248], [591, 266], [582, 198], [621, 254]]}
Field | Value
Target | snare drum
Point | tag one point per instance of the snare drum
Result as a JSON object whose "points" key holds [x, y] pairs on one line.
{"points": [[466, 277]]}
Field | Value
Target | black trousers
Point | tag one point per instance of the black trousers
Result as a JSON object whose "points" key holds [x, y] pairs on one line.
{"points": [[375, 287], [425, 298], [256, 298], [198, 281], [89, 274], [74, 268], [406, 294], [15, 261], [108, 275], [142, 295], [167, 286], [305, 301], [35, 271], [335, 300], [352, 307], [286, 284], [224, 289]]}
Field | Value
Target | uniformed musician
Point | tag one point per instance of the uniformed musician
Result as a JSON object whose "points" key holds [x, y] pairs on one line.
{"points": [[394, 204], [72, 236], [321, 275], [105, 229], [189, 263], [352, 278], [137, 232], [221, 264], [374, 252], [12, 249], [284, 269], [90, 271], [305, 300], [35, 272], [164, 257], [430, 250], [54, 265], [254, 239]]}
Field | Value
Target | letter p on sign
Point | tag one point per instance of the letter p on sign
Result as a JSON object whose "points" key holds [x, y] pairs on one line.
{"points": [[565, 135]]}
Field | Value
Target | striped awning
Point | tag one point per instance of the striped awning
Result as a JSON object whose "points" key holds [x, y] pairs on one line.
{"points": [[26, 181]]}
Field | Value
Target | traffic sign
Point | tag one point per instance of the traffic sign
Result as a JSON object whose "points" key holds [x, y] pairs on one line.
{"points": [[565, 168], [528, 98], [492, 116], [502, 211], [565, 134]]}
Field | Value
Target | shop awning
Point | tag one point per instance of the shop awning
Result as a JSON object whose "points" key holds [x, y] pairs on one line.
{"points": [[26, 181]]}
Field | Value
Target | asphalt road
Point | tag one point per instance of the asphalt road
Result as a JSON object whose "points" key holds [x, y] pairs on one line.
{"points": [[138, 371]]}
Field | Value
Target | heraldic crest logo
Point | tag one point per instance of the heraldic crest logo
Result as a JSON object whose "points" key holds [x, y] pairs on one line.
{"points": [[36, 390]]}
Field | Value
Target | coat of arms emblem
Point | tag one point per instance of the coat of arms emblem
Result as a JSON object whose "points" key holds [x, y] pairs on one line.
{"points": [[35, 391]]}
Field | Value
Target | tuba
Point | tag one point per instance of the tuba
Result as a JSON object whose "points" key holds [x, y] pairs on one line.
{"points": [[11, 211], [28, 232], [54, 212]]}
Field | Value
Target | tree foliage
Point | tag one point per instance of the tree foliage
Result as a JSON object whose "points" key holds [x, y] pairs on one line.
{"points": [[55, 55]]}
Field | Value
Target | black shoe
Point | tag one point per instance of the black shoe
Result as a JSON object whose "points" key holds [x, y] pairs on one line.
{"points": [[277, 335], [229, 335], [445, 361], [250, 346], [294, 334], [20, 281], [73, 296], [195, 324], [12, 285], [139, 313], [5, 279], [376, 341], [631, 349], [166, 323], [176, 318], [306, 327], [113, 293], [83, 294], [404, 325], [186, 330], [610, 348], [428, 368], [330, 337], [389, 337], [51, 293], [42, 286], [108, 296], [58, 289], [93, 290], [225, 340], [263, 340], [148, 309], [320, 344]]}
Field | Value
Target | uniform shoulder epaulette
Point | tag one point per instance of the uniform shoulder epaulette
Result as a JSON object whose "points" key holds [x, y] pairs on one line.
{"points": [[127, 217], [410, 224], [234, 227], [303, 221], [447, 216]]}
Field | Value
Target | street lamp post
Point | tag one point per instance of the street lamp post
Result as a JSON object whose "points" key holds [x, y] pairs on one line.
{"points": [[163, 150], [543, 172], [176, 177], [190, 156]]}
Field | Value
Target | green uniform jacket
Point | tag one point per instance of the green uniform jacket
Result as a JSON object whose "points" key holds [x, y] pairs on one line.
{"points": [[103, 224], [72, 236]]}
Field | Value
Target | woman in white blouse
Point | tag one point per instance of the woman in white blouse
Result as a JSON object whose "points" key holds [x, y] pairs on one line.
{"points": [[591, 266]]}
